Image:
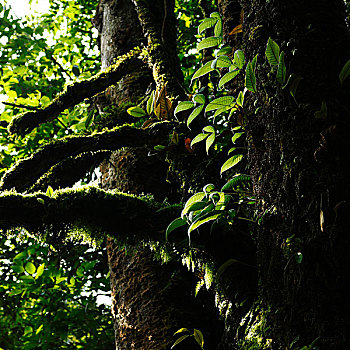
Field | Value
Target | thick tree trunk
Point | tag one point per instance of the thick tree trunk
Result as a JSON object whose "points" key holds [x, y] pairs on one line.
{"points": [[300, 166]]}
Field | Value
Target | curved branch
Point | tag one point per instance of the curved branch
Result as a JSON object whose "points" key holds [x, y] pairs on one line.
{"points": [[24, 173], [76, 93], [129, 218], [69, 171]]}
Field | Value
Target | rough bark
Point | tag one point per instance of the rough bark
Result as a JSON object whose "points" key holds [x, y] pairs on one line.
{"points": [[301, 169]]}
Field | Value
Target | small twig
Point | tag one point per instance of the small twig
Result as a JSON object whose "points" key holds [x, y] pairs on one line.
{"points": [[18, 105], [59, 65]]}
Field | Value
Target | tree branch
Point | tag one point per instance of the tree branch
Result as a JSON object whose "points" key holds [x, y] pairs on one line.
{"points": [[24, 173], [76, 93], [129, 218]]}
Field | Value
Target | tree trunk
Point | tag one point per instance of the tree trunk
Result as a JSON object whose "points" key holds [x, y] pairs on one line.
{"points": [[300, 166]]}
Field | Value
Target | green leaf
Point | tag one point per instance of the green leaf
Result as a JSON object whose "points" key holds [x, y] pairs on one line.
{"points": [[30, 268], [225, 101], [17, 268], [41, 201], [49, 191], [225, 50], [181, 330], [212, 215], [250, 80], [194, 114], [231, 162], [207, 23], [198, 336], [40, 270], [209, 128], [197, 197], [72, 281], [344, 73], [281, 70], [221, 62], [197, 206], [206, 68], [209, 141], [28, 330], [178, 222], [179, 340], [208, 188], [228, 77], [236, 136], [150, 107], [299, 257], [199, 98], [218, 28], [39, 329], [206, 43], [184, 106], [159, 148], [215, 15], [240, 99], [137, 112], [322, 113], [272, 52], [88, 120], [221, 110], [239, 59], [199, 138], [254, 60]]}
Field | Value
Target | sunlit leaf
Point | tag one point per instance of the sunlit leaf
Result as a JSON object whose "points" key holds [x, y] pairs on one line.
{"points": [[194, 114], [200, 137], [206, 68], [221, 62], [199, 98], [218, 28], [40, 270], [209, 141], [178, 222], [179, 340], [272, 52], [209, 42], [209, 128], [231, 162], [137, 112], [250, 80], [49, 191], [239, 59], [195, 198], [30, 268], [281, 70], [228, 77], [17, 268], [213, 215], [207, 23], [198, 336], [220, 102], [184, 106]]}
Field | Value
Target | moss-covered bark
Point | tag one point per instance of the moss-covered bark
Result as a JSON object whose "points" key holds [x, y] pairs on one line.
{"points": [[76, 93], [132, 219], [26, 172]]}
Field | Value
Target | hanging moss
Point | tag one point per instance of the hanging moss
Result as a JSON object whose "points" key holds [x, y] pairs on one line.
{"points": [[25, 172], [76, 93], [128, 218]]}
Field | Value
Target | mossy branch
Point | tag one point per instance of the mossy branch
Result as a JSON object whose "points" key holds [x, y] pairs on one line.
{"points": [[76, 93], [25, 173], [129, 218]]}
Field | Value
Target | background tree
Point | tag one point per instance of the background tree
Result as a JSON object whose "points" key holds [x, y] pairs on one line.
{"points": [[286, 231]]}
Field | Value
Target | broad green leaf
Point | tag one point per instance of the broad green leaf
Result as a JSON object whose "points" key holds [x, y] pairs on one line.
{"points": [[199, 138], [225, 50], [137, 112], [209, 128], [207, 23], [28, 330], [345, 72], [197, 206], [181, 330], [236, 136], [209, 141], [20, 256], [209, 42], [221, 62], [198, 336], [206, 68], [220, 102], [231, 162], [194, 114], [281, 70], [239, 59], [250, 80], [27, 279], [272, 52], [178, 222], [88, 120], [208, 188], [237, 179], [72, 281], [30, 268], [17, 268], [197, 197], [39, 329], [159, 148], [228, 77], [41, 201], [254, 60], [150, 107], [40, 270], [218, 28], [213, 215], [80, 271], [221, 110], [179, 340], [240, 99], [184, 106], [49, 191], [215, 15], [199, 98]]}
